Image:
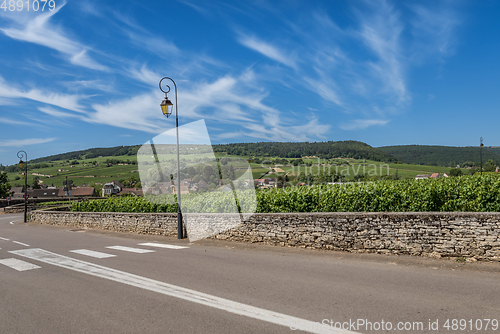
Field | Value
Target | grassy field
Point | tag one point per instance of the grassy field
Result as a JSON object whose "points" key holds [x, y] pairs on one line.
{"points": [[371, 168], [82, 173], [85, 172]]}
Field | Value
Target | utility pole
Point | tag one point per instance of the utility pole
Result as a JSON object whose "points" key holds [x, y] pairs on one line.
{"points": [[67, 187]]}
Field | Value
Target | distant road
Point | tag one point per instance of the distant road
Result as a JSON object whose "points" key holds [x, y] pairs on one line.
{"points": [[62, 280]]}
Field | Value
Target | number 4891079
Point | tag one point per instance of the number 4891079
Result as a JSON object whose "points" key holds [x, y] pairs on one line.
{"points": [[35, 5]]}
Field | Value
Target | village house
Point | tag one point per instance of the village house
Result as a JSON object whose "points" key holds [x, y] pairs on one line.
{"points": [[111, 188]]}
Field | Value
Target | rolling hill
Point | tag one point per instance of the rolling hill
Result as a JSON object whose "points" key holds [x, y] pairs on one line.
{"points": [[448, 156], [325, 150]]}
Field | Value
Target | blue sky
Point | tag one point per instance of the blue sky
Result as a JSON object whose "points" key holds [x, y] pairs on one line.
{"points": [[382, 72]]}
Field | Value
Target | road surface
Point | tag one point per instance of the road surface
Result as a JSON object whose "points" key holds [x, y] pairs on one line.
{"points": [[65, 280]]}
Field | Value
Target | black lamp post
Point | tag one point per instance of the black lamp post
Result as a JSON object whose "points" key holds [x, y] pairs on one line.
{"points": [[21, 155], [481, 154], [166, 107]]}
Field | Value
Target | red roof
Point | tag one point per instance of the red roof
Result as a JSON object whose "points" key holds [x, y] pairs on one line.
{"points": [[135, 191], [82, 191]]}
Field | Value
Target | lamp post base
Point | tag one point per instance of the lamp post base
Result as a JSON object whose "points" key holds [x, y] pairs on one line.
{"points": [[180, 229]]}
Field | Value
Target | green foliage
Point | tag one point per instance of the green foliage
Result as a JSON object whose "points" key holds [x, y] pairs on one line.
{"points": [[92, 153], [489, 166], [4, 186], [122, 204], [43, 204], [211, 202], [36, 183], [464, 193], [440, 155], [323, 150], [456, 172]]}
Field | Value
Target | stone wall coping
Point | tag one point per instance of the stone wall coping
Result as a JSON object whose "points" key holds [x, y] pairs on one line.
{"points": [[305, 214]]}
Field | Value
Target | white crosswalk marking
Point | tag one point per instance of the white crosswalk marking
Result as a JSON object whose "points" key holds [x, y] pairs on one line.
{"points": [[20, 243], [131, 249], [178, 292], [92, 253], [154, 244], [18, 265]]}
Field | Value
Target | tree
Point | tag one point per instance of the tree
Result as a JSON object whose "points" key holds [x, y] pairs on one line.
{"points": [[36, 183], [489, 166], [455, 172], [4, 186]]}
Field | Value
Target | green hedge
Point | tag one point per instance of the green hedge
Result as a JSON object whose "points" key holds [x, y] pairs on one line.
{"points": [[465, 193]]}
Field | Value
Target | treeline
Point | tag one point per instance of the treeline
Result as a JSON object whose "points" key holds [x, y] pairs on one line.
{"points": [[446, 156], [15, 168], [323, 150], [92, 153]]}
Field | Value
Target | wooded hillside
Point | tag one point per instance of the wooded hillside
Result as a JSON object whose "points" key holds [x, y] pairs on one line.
{"points": [[448, 156]]}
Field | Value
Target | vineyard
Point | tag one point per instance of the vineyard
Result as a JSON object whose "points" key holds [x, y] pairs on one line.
{"points": [[465, 193]]}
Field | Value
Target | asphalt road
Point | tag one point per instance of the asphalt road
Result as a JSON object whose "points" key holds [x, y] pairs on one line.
{"points": [[52, 282]]}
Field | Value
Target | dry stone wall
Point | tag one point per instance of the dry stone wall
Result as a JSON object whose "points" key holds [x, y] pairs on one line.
{"points": [[472, 236], [140, 223]]}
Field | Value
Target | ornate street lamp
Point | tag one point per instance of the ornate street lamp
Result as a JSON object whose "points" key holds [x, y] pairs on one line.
{"points": [[166, 107], [21, 155]]}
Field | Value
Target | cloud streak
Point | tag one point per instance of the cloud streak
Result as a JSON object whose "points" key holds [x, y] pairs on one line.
{"points": [[26, 142], [66, 101], [267, 50], [36, 28], [361, 124], [381, 33]]}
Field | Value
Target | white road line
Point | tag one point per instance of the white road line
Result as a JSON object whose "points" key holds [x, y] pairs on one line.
{"points": [[154, 244], [131, 249], [19, 265], [177, 291], [4, 239], [20, 243], [92, 253]]}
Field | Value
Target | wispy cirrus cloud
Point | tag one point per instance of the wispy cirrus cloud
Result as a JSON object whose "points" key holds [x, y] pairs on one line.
{"points": [[99, 85], [362, 69], [326, 88], [381, 32], [434, 29], [36, 28], [153, 44], [12, 122], [144, 75], [267, 50], [227, 100], [140, 112], [360, 124], [66, 101], [26, 142], [58, 114], [144, 39]]}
